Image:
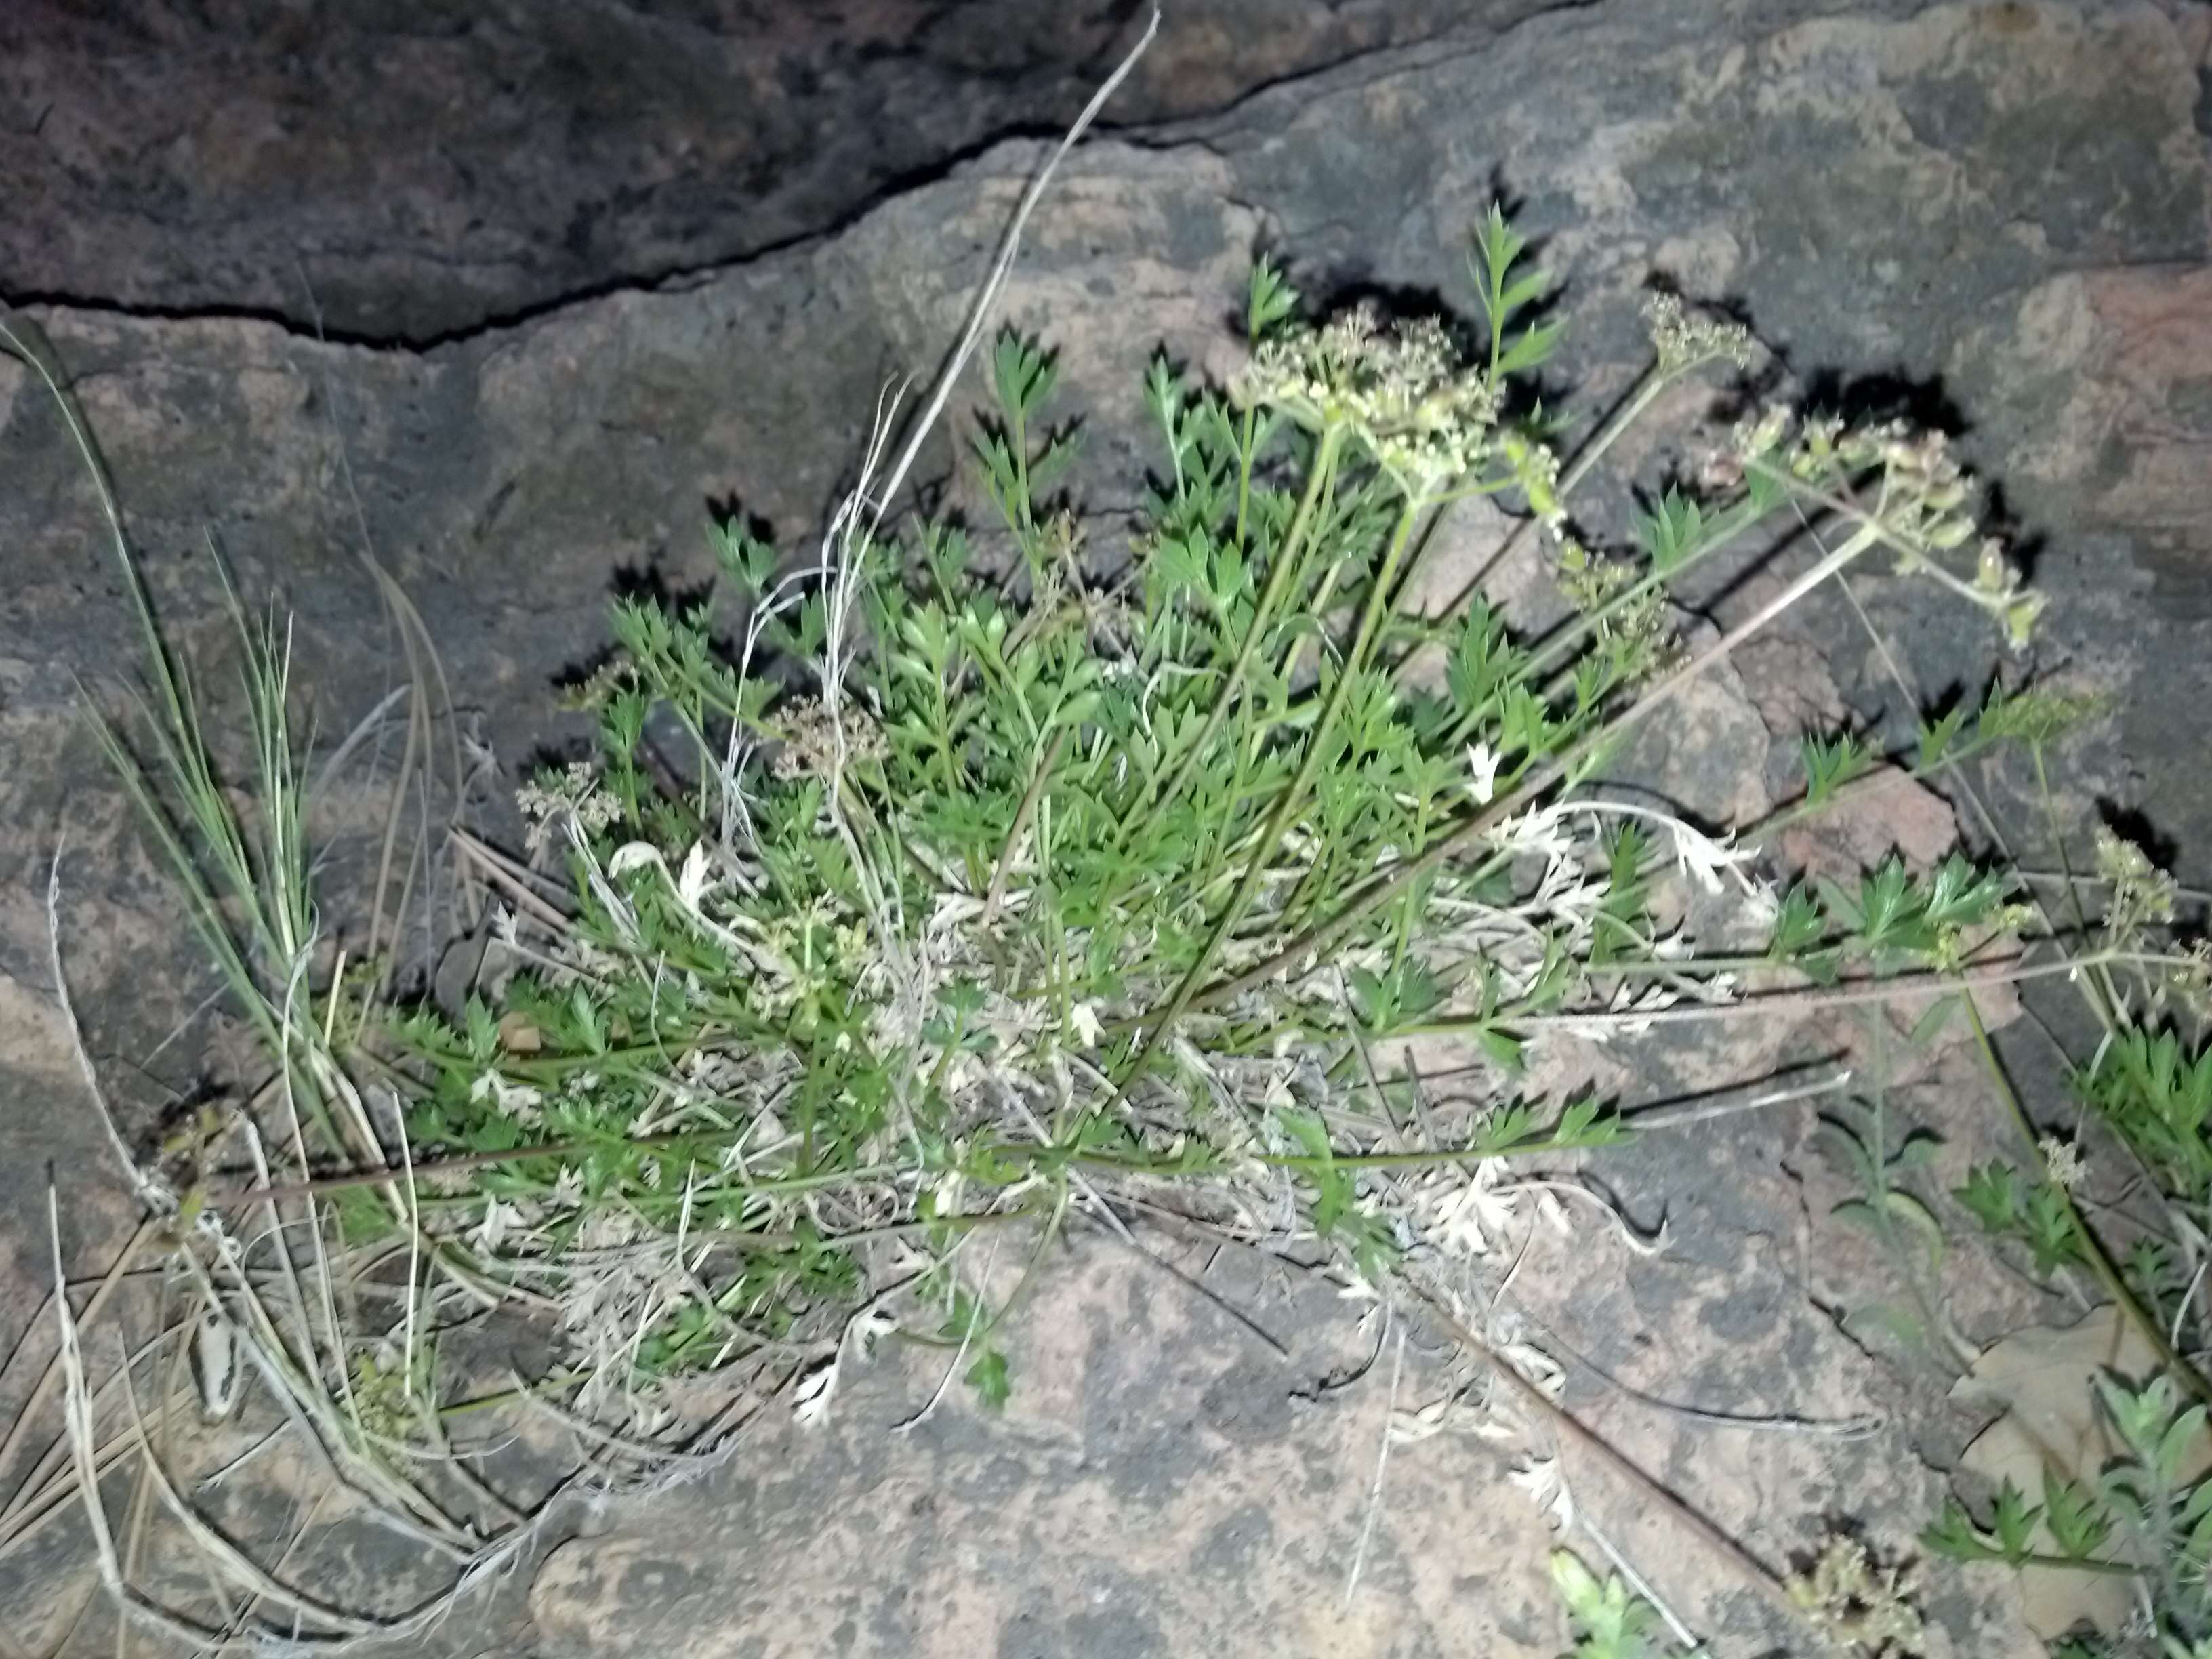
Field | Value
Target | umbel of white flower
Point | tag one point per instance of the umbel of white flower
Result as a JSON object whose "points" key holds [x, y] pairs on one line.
{"points": [[1681, 338], [1400, 389]]}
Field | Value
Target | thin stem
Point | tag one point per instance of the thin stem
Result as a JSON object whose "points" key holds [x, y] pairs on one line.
{"points": [[1875, 990], [1244, 460], [1632, 407], [1022, 816], [1263, 614], [2096, 990], [1294, 796], [232, 1199], [1718, 534], [1382, 890], [1859, 788], [1738, 1559]]}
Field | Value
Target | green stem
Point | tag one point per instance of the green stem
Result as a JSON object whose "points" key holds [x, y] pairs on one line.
{"points": [[2033, 1559], [1445, 1155], [2096, 989], [1632, 409], [1718, 534], [1244, 460], [1278, 583], [1294, 796], [1916, 557], [945, 1058], [1384, 888], [1859, 787], [1022, 816], [1869, 988]]}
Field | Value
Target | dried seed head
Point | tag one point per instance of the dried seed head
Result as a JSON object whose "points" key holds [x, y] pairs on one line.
{"points": [[556, 797]]}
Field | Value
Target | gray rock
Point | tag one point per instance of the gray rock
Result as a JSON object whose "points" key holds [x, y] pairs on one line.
{"points": [[420, 169], [2003, 208]]}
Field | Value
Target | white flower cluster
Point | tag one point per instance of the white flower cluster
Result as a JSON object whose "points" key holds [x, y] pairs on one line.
{"points": [[1401, 388], [2062, 1162], [2142, 894], [1866, 1607], [1536, 469], [1924, 505], [1682, 338]]}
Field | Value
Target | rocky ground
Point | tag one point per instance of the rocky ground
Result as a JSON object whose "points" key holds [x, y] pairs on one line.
{"points": [[576, 290]]}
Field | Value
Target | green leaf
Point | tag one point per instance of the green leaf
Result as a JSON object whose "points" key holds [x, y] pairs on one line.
{"points": [[480, 1029], [1931, 1025], [1500, 246], [1857, 1212], [1529, 348], [2047, 1224], [1798, 924], [987, 1376], [1992, 1195], [1051, 463], [1884, 901], [748, 562], [1576, 1119], [1503, 1050], [1849, 1151], [2075, 1518], [1958, 894], [1523, 290], [1900, 1324], [2180, 1436], [587, 1022], [1022, 374], [1503, 294], [1671, 533], [1373, 998], [1936, 736], [2199, 1502], [2139, 1415], [1269, 299], [1609, 1623], [2014, 1521], [2199, 1547], [1164, 398], [1917, 1151], [1830, 762], [1955, 1536]]}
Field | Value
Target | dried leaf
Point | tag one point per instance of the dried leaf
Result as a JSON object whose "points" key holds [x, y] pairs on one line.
{"points": [[519, 1034]]}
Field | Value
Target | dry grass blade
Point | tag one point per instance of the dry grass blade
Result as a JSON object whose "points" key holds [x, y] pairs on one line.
{"points": [[144, 1187], [226, 1556], [77, 1410], [52, 1378]]}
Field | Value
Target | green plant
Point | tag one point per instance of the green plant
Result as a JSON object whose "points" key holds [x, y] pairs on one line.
{"points": [[1033, 873], [2147, 1516], [989, 882], [2147, 1082], [1607, 1620], [1882, 1160]]}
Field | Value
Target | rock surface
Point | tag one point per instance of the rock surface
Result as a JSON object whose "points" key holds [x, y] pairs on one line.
{"points": [[420, 168], [2001, 213]]}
